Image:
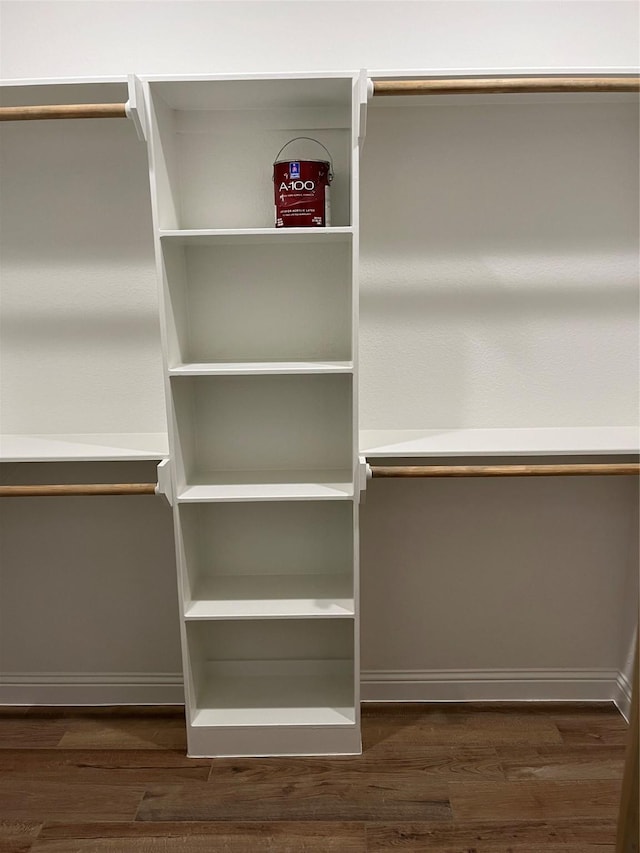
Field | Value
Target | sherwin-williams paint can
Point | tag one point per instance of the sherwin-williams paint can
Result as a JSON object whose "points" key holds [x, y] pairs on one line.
{"points": [[301, 190]]}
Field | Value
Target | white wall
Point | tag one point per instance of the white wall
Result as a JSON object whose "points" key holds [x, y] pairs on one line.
{"points": [[499, 255], [49, 39], [88, 603], [503, 579], [80, 344], [500, 265]]}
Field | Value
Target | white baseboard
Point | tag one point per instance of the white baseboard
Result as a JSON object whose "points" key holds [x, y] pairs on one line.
{"points": [[77, 688], [623, 696], [491, 685]]}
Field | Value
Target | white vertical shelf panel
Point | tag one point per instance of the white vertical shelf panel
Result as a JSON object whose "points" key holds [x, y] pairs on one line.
{"points": [[359, 104], [259, 338]]}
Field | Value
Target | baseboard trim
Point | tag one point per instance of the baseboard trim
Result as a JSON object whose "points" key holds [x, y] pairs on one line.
{"points": [[104, 688], [491, 685], [623, 696]]}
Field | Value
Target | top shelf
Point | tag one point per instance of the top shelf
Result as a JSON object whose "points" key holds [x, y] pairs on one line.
{"points": [[214, 141], [543, 441], [255, 93]]}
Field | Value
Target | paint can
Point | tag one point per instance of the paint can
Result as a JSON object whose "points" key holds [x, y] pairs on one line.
{"points": [[301, 190]]}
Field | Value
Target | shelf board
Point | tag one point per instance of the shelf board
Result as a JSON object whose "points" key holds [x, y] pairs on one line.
{"points": [[275, 693], [268, 485], [254, 92], [260, 368], [542, 441], [271, 597], [242, 236], [84, 447]]}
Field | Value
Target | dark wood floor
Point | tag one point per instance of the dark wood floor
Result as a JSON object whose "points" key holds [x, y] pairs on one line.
{"points": [[442, 779]]}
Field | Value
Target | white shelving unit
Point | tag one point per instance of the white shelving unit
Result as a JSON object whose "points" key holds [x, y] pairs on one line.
{"points": [[259, 333]]}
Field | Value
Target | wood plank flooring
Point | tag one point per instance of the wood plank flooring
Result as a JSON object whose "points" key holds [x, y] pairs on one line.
{"points": [[433, 778]]}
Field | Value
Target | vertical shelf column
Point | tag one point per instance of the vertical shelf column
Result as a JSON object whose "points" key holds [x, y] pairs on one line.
{"points": [[259, 333]]}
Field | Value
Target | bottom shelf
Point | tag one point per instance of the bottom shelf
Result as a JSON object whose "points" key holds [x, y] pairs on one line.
{"points": [[276, 693], [272, 687]]}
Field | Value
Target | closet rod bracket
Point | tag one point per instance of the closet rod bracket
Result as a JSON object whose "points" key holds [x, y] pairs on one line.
{"points": [[164, 486], [364, 475]]}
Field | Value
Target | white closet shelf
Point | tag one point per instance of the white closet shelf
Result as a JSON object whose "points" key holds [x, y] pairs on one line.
{"points": [[105, 447], [260, 368], [84, 447], [268, 485], [276, 693], [254, 92], [540, 441], [271, 597], [241, 236]]}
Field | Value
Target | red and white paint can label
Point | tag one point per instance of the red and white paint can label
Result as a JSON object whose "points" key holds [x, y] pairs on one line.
{"points": [[301, 192]]}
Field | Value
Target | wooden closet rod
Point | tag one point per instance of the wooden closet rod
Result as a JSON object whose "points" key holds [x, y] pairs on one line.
{"points": [[561, 470], [504, 85], [82, 489], [63, 111]]}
